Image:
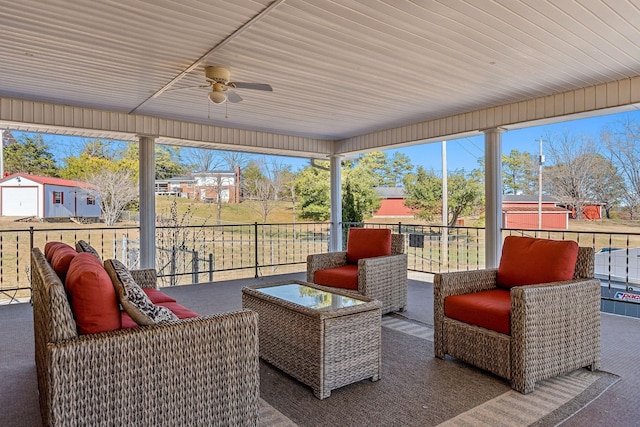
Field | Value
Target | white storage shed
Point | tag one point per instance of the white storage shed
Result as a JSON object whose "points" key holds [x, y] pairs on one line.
{"points": [[24, 195]]}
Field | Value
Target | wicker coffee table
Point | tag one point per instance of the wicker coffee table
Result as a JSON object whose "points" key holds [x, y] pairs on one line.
{"points": [[321, 336]]}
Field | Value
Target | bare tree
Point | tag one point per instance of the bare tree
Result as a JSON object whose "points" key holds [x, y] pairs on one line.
{"points": [[234, 159], [264, 183], [571, 173], [115, 189], [624, 146], [204, 159]]}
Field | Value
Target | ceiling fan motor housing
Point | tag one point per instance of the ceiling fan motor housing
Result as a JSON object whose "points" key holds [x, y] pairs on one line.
{"points": [[217, 74]]}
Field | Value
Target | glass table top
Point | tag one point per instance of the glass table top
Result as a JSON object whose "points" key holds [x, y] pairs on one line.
{"points": [[310, 297]]}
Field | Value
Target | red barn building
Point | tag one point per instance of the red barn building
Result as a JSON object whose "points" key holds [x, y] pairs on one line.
{"points": [[392, 203], [520, 211]]}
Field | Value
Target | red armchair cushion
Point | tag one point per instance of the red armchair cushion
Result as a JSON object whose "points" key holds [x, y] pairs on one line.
{"points": [[177, 309], [156, 296], [527, 261], [488, 309], [340, 277], [367, 243], [92, 296]]}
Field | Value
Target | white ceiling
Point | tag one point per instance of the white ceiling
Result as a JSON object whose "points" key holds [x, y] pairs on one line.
{"points": [[339, 69]]}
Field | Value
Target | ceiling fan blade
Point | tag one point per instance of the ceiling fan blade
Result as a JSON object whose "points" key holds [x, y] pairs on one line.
{"points": [[232, 96], [255, 86]]}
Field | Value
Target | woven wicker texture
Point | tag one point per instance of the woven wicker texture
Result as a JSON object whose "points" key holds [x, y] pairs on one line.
{"points": [[555, 327], [382, 278], [324, 349], [200, 371]]}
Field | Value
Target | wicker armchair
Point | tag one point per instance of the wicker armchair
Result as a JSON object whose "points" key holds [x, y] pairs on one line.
{"points": [[199, 371], [555, 327], [383, 278]]}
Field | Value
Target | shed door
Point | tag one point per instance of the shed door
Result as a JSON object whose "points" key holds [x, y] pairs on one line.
{"points": [[21, 201]]}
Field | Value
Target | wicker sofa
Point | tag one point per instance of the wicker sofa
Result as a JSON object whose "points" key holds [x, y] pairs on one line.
{"points": [[555, 327], [383, 278], [198, 371]]}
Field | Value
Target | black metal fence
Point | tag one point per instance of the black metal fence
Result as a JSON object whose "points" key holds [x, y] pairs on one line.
{"points": [[195, 254]]}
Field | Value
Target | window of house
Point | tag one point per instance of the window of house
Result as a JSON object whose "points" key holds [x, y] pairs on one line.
{"points": [[91, 200], [58, 198]]}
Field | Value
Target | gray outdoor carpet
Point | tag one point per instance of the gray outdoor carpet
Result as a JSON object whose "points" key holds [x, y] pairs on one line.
{"points": [[416, 389]]}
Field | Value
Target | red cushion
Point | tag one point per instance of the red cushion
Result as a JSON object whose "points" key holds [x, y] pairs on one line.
{"points": [[62, 257], [156, 296], [340, 277], [177, 309], [127, 321], [527, 261], [50, 248], [488, 309], [92, 296], [367, 243]]}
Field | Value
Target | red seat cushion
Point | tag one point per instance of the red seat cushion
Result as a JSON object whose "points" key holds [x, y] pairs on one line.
{"points": [[368, 243], [177, 309], [488, 309], [156, 296], [91, 295], [527, 261], [340, 277]]}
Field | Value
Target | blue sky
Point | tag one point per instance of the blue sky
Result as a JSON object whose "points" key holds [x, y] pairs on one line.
{"points": [[461, 153]]}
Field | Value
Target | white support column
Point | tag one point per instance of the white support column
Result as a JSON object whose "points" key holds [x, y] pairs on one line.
{"points": [[147, 167], [493, 196], [335, 242]]}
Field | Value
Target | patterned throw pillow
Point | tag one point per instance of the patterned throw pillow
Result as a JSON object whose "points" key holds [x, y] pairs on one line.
{"points": [[133, 299], [82, 246]]}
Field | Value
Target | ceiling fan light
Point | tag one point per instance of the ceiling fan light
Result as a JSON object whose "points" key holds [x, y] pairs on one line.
{"points": [[217, 97]]}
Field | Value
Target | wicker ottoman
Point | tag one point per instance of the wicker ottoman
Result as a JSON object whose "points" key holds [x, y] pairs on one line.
{"points": [[321, 336]]}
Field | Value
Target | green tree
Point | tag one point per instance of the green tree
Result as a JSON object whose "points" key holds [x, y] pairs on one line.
{"points": [[167, 159], [399, 167], [30, 154], [364, 199], [519, 175], [376, 164], [350, 209], [312, 186], [424, 194]]}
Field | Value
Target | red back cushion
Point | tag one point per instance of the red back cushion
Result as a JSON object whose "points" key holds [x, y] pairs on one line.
{"points": [[51, 247], [527, 261], [367, 243], [62, 257], [92, 296]]}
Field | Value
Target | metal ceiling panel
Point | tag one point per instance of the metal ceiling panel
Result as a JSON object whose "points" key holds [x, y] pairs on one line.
{"points": [[339, 68]]}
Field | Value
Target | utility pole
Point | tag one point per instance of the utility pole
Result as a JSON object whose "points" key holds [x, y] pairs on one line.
{"points": [[540, 163]]}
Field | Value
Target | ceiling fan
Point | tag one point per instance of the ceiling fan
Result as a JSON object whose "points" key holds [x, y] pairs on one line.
{"points": [[219, 81]]}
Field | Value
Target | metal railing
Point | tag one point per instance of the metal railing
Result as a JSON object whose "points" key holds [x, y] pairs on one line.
{"points": [[195, 254]]}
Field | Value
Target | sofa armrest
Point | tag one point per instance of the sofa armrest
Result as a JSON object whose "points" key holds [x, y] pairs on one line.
{"points": [[323, 261], [190, 372], [560, 320], [145, 278]]}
